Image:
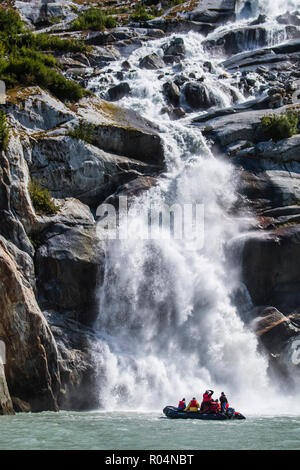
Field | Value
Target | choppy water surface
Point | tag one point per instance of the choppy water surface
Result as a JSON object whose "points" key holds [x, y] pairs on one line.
{"points": [[145, 431]]}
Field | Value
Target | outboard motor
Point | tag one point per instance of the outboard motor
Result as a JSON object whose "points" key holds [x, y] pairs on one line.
{"points": [[230, 412]]}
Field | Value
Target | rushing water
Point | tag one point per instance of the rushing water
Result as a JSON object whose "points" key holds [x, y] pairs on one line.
{"points": [[145, 431], [167, 324]]}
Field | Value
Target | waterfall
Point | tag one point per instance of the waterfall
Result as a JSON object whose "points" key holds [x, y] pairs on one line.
{"points": [[167, 324], [267, 7]]}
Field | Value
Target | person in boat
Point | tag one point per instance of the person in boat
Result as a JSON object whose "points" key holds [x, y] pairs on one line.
{"points": [[193, 405], [214, 406], [181, 405], [224, 402], [207, 398]]}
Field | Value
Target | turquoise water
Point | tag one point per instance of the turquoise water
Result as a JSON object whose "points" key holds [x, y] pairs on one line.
{"points": [[145, 431]]}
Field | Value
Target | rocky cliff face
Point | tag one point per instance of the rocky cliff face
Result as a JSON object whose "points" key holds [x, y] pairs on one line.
{"points": [[50, 265]]}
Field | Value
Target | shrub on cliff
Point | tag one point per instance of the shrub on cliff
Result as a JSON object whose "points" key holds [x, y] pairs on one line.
{"points": [[29, 71], [3, 131], [23, 63], [10, 22], [93, 19], [84, 131], [45, 42], [41, 199], [281, 126], [141, 14]]}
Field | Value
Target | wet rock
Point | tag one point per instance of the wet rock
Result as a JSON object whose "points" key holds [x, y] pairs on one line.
{"points": [[126, 65], [284, 150], [6, 405], [152, 62], [271, 270], [174, 48], [177, 113], [289, 18], [122, 131], [133, 189], [199, 96], [238, 40], [274, 329], [67, 267], [78, 351], [213, 11], [172, 92], [284, 53], [21, 406], [234, 126], [101, 56], [181, 25], [119, 91]]}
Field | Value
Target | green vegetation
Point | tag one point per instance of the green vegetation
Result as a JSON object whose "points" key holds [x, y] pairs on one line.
{"points": [[141, 13], [93, 19], [4, 136], [280, 126], [22, 61], [28, 71], [41, 199], [84, 131], [36, 240], [10, 22], [45, 42], [174, 3]]}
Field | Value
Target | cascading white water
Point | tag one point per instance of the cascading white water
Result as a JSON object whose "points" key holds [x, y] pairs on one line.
{"points": [[269, 7], [167, 326]]}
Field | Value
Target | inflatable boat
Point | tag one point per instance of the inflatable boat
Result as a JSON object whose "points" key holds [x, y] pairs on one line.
{"points": [[173, 413]]}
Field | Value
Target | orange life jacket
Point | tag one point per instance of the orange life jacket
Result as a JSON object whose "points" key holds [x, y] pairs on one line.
{"points": [[181, 404], [194, 404], [214, 406]]}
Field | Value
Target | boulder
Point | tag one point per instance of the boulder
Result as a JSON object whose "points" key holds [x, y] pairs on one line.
{"points": [[271, 270], [285, 150], [248, 37], [224, 130], [151, 62], [289, 18], [172, 92], [268, 184], [174, 48], [133, 189], [68, 267], [198, 96], [35, 109], [283, 53], [70, 167], [212, 11], [101, 56], [78, 352], [119, 91], [122, 131], [274, 329]]}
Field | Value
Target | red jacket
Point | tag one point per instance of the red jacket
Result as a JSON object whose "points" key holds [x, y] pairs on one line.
{"points": [[206, 397]]}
